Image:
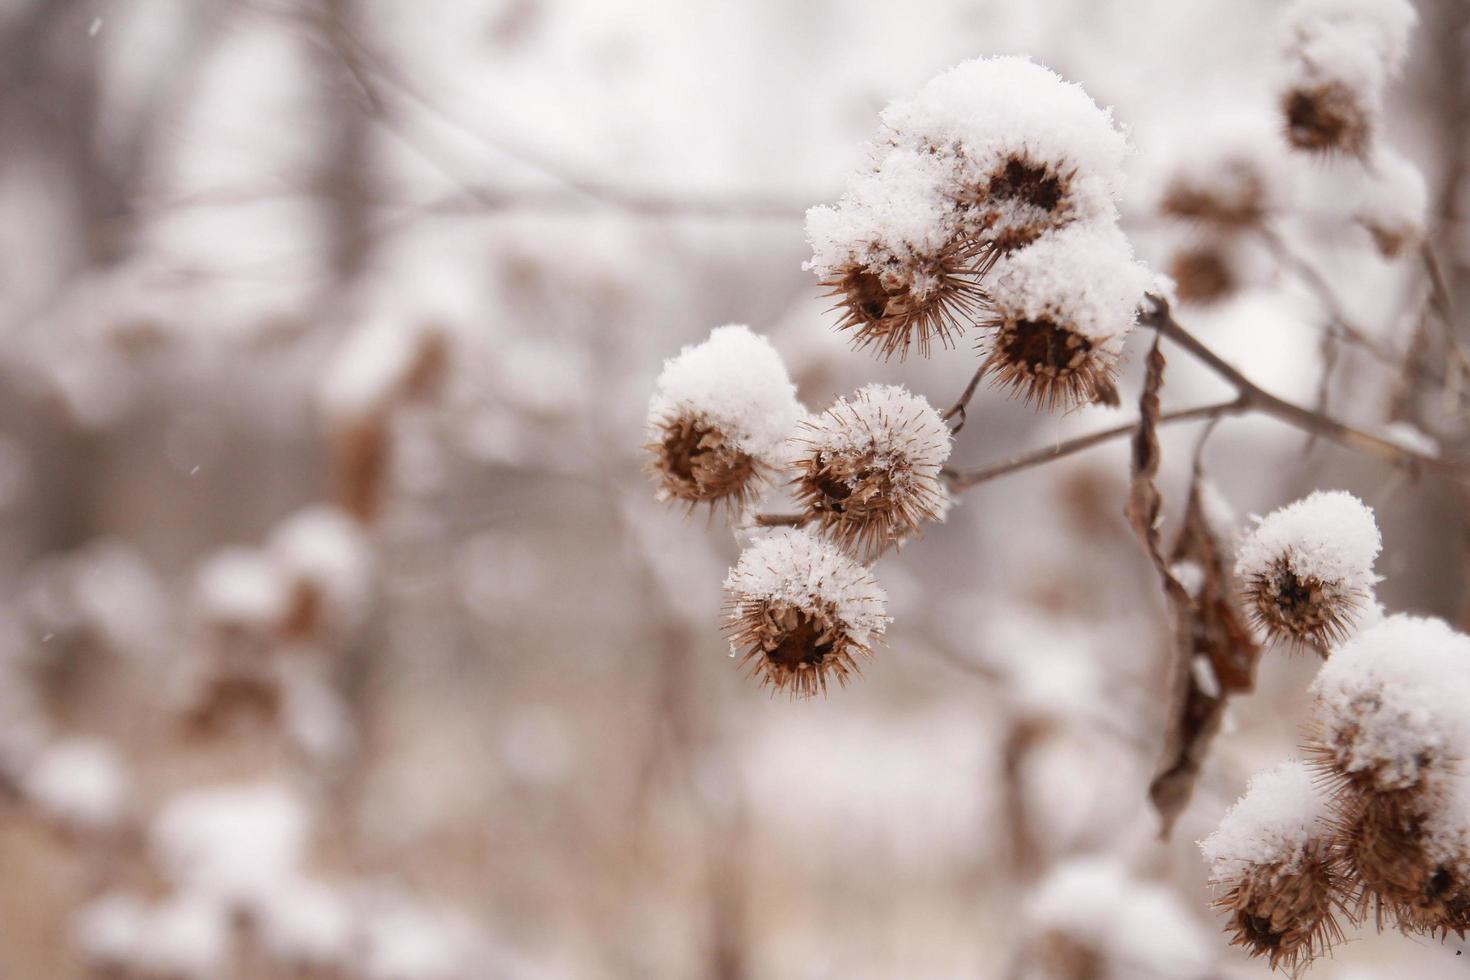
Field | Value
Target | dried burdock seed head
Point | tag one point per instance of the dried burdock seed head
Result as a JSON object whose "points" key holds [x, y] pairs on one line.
{"points": [[1020, 150], [1231, 195], [1388, 709], [867, 469], [717, 422], [1273, 858], [1327, 117], [1061, 309], [987, 157], [799, 612], [1203, 274], [1307, 568], [1339, 56], [900, 307], [1409, 854], [1020, 200]]}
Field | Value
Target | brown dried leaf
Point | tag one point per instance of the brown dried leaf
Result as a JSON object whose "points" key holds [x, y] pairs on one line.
{"points": [[1213, 653], [1215, 657]]}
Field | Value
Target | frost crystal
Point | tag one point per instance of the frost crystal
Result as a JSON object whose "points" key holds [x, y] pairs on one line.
{"points": [[1390, 703], [1273, 824]]}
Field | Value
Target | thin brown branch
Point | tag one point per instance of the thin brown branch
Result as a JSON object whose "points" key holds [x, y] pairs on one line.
{"points": [[958, 480], [1257, 399]]}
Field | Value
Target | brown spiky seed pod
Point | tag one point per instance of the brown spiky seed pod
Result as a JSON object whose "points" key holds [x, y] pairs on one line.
{"points": [[800, 613], [1061, 309], [868, 469], [902, 306], [719, 419], [1273, 857], [1307, 569], [1327, 118], [1408, 852], [1203, 274]]}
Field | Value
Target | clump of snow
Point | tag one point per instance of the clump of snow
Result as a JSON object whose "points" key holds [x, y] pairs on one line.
{"points": [[1329, 536], [1356, 44], [79, 781], [1139, 929], [235, 843], [1412, 437], [1394, 201], [796, 567], [375, 366], [939, 170], [1083, 278], [188, 936], [106, 930], [1390, 703], [737, 382], [325, 550], [309, 924], [243, 587], [408, 941], [893, 221], [1273, 825]]}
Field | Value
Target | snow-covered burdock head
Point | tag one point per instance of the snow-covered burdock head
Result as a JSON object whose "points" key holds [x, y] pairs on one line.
{"points": [[1307, 568], [798, 610], [1340, 54], [892, 255], [716, 424], [1021, 150], [986, 158], [868, 468], [1061, 309], [1273, 856], [1389, 705]]}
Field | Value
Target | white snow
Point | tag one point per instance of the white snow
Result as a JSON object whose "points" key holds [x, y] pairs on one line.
{"points": [[1083, 277], [107, 929], [932, 166], [1329, 536], [1141, 929], [1391, 701], [737, 381], [79, 781], [324, 548], [1394, 197], [1353, 28], [1274, 823], [309, 923], [241, 586], [371, 367], [236, 843], [797, 567]]}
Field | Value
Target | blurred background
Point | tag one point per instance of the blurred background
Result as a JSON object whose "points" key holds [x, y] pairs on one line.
{"points": [[341, 635]]}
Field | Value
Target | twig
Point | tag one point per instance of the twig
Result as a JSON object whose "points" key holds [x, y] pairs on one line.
{"points": [[1255, 398], [958, 408], [962, 480]]}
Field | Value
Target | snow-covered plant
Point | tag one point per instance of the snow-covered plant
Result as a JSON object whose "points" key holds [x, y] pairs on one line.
{"points": [[1340, 56], [719, 420], [1307, 568], [1273, 857], [867, 469], [799, 610]]}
